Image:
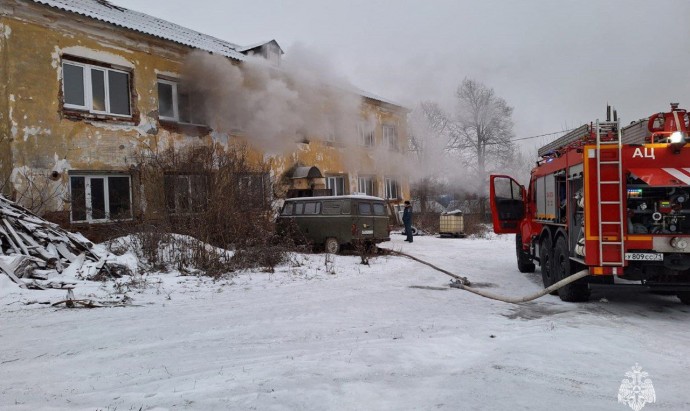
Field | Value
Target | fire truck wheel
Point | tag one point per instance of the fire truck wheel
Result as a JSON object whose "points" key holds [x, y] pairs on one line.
{"points": [[684, 297], [573, 292], [525, 265], [545, 257]]}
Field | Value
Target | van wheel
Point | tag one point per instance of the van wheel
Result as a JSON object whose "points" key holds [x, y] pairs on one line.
{"points": [[332, 245]]}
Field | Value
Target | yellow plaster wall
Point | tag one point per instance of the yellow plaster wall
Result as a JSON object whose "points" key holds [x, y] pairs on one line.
{"points": [[47, 143]]}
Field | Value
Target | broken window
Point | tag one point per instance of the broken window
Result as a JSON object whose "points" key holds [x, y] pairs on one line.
{"points": [[95, 89], [178, 103], [186, 193], [97, 198], [391, 188], [366, 136], [390, 137], [366, 185], [336, 184]]}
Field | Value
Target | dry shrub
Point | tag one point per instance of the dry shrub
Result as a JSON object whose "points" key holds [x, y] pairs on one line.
{"points": [[215, 195], [474, 226], [428, 222]]}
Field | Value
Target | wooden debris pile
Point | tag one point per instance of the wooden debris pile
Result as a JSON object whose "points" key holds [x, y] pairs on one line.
{"points": [[35, 249]]}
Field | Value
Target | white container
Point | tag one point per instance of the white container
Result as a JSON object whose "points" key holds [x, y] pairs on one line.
{"points": [[452, 223]]}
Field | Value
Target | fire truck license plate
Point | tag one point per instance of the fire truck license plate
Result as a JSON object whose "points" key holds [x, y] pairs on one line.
{"points": [[644, 256]]}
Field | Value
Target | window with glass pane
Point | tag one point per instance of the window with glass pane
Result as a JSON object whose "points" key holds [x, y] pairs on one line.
{"points": [[366, 185], [98, 90], [165, 100], [364, 209], [392, 188], [78, 198], [73, 85], [100, 198], [390, 137], [118, 92], [336, 184], [95, 89]]}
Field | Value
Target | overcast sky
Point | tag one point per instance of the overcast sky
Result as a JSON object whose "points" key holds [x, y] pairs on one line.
{"points": [[556, 62]]}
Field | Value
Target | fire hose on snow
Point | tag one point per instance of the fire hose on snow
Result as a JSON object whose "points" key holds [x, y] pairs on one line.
{"points": [[464, 284]]}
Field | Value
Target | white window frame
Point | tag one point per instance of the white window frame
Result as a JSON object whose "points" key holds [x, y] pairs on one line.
{"points": [[363, 182], [88, 89], [388, 184], [331, 182], [106, 197], [175, 102], [366, 139], [176, 112], [390, 137]]}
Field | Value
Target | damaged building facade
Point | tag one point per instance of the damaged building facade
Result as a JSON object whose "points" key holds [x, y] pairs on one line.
{"points": [[86, 87]]}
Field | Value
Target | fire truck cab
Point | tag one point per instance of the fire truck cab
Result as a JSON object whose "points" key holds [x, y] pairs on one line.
{"points": [[614, 200]]}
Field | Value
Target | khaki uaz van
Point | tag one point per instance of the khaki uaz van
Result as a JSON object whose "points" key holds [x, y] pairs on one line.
{"points": [[335, 221]]}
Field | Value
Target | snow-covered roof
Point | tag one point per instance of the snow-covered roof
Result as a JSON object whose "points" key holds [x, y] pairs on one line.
{"points": [[259, 44], [351, 196], [104, 11], [107, 12]]}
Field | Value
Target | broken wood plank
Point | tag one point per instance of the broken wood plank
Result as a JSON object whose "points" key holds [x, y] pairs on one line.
{"points": [[10, 229], [62, 249], [13, 277], [10, 241]]}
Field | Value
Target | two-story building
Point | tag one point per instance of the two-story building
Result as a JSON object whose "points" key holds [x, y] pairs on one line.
{"points": [[87, 86]]}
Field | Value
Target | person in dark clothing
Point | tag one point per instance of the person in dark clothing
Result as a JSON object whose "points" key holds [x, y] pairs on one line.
{"points": [[407, 220]]}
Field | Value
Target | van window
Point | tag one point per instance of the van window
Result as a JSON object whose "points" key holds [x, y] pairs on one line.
{"points": [[346, 207], [332, 207], [364, 209], [312, 208], [299, 208], [288, 208], [379, 209]]}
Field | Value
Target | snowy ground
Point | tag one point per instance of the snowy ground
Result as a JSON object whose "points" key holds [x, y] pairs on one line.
{"points": [[320, 335]]}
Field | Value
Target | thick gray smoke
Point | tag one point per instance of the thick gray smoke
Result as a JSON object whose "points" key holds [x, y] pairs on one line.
{"points": [[274, 107]]}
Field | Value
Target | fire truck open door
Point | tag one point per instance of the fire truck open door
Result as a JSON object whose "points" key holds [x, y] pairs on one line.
{"points": [[507, 204]]}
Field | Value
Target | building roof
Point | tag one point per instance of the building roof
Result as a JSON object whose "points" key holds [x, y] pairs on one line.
{"points": [[107, 12], [259, 44]]}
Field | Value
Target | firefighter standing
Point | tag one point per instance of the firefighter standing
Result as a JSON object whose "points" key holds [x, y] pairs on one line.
{"points": [[407, 220]]}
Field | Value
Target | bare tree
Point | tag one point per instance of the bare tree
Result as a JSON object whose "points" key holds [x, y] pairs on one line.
{"points": [[481, 133]]}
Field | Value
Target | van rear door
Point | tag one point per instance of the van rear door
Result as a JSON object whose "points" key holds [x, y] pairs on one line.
{"points": [[381, 221], [364, 222]]}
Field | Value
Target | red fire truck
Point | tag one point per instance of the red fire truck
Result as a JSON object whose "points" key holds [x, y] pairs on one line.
{"points": [[614, 200]]}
